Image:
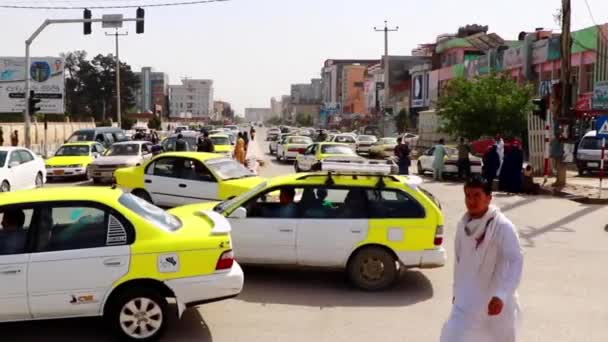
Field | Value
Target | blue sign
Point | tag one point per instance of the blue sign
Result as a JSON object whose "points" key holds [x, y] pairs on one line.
{"points": [[602, 126]]}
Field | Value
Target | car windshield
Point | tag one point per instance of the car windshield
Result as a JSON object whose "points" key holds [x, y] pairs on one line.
{"points": [[337, 149], [366, 138], [220, 140], [344, 139], [299, 140], [124, 150], [82, 136], [590, 143], [72, 151], [223, 206], [150, 213], [3, 155], [227, 169], [169, 143]]}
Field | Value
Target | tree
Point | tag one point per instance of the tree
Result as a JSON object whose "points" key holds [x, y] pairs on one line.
{"points": [[402, 120], [487, 105], [155, 123], [274, 121], [303, 119], [126, 123]]}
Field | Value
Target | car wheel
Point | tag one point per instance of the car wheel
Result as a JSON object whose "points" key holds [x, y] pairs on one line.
{"points": [[420, 169], [143, 194], [581, 172], [372, 269], [138, 315], [5, 187], [86, 174], [297, 167], [316, 167], [39, 181], [96, 180]]}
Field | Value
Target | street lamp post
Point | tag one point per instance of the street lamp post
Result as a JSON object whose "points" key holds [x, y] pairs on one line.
{"points": [[118, 111]]}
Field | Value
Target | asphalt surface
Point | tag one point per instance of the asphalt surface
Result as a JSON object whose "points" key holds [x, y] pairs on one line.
{"points": [[562, 294]]}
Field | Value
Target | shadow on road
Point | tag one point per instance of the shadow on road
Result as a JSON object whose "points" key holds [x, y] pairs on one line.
{"points": [[191, 327], [318, 288]]}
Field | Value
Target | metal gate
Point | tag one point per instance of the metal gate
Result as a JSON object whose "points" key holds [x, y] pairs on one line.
{"points": [[536, 144]]}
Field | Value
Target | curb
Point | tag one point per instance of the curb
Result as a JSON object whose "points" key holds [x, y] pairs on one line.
{"points": [[574, 198]]}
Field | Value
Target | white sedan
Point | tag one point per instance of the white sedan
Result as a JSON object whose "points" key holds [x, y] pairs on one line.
{"points": [[291, 146], [425, 162], [20, 169]]}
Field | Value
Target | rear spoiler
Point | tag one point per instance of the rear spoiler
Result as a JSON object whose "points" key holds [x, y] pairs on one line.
{"points": [[221, 226]]}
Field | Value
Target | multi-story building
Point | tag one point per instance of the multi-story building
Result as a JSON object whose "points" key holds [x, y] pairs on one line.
{"points": [[353, 80], [257, 114], [192, 96], [275, 107], [307, 93], [153, 91], [332, 80]]}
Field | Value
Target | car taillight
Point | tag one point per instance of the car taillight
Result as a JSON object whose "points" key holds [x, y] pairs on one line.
{"points": [[438, 236], [226, 261]]}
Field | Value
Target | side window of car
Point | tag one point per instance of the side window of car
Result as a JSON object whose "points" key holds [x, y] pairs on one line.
{"points": [[334, 203], [145, 149], [278, 203], [16, 223], [15, 157], [99, 138], [309, 149], [98, 148], [109, 138], [163, 167], [25, 156], [430, 152], [393, 204], [196, 171]]}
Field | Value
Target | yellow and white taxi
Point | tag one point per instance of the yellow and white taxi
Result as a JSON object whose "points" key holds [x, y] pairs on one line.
{"points": [[222, 144], [289, 147], [318, 153], [65, 253], [365, 221], [178, 178], [73, 160]]}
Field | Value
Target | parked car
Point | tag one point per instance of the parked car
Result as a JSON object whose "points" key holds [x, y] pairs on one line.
{"points": [[425, 162], [123, 154], [481, 146], [191, 138], [222, 144], [589, 154], [291, 146], [274, 144], [103, 135], [365, 142], [317, 153], [98, 252], [73, 160], [20, 169], [383, 148]]}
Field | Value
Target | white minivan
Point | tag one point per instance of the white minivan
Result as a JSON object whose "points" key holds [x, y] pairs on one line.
{"points": [[588, 155]]}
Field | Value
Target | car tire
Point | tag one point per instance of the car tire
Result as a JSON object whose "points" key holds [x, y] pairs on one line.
{"points": [[151, 307], [581, 171], [39, 181], [372, 268], [316, 167], [297, 167], [5, 187], [420, 169], [86, 174], [143, 194], [96, 181]]}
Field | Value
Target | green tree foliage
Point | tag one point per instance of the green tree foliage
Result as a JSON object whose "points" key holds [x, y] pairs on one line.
{"points": [[91, 86], [126, 123], [486, 105], [155, 123], [304, 120], [274, 121]]}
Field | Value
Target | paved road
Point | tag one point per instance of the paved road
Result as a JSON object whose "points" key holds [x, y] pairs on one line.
{"points": [[562, 293]]}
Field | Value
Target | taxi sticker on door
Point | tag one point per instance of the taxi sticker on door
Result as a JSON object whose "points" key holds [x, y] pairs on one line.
{"points": [[168, 263]]}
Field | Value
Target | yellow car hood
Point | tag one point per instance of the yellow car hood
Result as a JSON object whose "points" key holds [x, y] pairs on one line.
{"points": [[56, 161], [236, 187], [222, 148]]}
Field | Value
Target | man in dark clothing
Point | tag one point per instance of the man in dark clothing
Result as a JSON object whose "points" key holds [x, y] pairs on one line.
{"points": [[491, 163], [15, 138], [252, 133], [180, 144], [246, 139], [402, 152], [204, 144], [510, 179], [464, 164]]}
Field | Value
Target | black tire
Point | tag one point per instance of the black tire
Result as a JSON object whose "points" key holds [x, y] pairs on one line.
{"points": [[372, 268], [143, 194], [420, 169], [297, 167], [316, 167], [96, 181], [157, 309], [581, 171], [5, 187], [39, 181], [86, 174]]}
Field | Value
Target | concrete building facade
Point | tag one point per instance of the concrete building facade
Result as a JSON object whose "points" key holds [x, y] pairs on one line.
{"points": [[192, 96], [257, 114], [153, 91]]}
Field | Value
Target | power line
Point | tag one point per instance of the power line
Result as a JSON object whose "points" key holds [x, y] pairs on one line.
{"points": [[593, 20], [166, 4]]}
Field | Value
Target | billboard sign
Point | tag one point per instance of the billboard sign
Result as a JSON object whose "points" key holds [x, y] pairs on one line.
{"points": [[600, 96], [47, 80]]}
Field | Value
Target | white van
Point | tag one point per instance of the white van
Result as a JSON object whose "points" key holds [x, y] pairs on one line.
{"points": [[589, 153]]}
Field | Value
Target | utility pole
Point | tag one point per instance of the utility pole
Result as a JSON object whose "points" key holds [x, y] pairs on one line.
{"points": [[118, 115], [566, 93], [386, 30]]}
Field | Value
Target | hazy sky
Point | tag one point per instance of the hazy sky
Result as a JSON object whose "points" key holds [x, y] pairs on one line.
{"points": [[254, 49]]}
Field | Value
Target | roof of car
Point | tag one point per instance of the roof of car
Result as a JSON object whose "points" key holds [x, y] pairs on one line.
{"points": [[219, 135], [195, 155], [71, 193], [11, 148], [81, 143], [139, 142], [591, 134], [320, 177]]}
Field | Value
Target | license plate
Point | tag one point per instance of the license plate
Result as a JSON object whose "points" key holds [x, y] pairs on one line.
{"points": [[58, 172], [593, 164]]}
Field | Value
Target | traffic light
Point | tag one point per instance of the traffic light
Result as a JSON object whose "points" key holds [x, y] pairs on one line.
{"points": [[540, 107], [32, 103], [140, 22], [87, 26]]}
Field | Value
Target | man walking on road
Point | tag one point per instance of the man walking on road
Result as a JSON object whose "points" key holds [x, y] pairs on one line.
{"points": [[204, 144], [402, 152], [464, 164], [180, 144], [487, 272]]}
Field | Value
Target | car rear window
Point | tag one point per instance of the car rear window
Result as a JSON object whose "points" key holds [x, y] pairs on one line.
{"points": [[590, 143], [336, 149], [151, 213], [430, 196]]}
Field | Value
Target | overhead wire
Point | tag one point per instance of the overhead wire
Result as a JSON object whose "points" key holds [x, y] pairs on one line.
{"points": [[142, 5]]}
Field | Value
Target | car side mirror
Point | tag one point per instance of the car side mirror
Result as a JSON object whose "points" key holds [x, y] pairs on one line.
{"points": [[14, 164], [239, 213]]}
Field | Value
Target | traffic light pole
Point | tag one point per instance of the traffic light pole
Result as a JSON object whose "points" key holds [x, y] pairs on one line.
{"points": [[28, 43], [118, 111]]}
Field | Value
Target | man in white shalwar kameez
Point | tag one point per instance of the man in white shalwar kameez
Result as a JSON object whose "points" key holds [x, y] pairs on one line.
{"points": [[487, 271]]}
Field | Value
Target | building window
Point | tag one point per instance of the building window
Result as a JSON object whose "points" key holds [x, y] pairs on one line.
{"points": [[587, 78]]}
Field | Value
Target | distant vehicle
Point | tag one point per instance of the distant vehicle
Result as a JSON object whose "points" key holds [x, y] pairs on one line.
{"points": [[232, 127], [291, 146], [20, 169], [345, 138], [365, 142], [589, 154], [191, 138], [73, 160], [123, 154], [371, 130], [383, 148], [273, 146], [481, 146], [317, 153], [425, 162], [179, 129], [411, 139], [103, 135], [222, 144]]}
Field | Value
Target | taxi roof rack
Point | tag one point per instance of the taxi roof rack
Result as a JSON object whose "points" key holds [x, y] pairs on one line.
{"points": [[330, 180], [356, 169]]}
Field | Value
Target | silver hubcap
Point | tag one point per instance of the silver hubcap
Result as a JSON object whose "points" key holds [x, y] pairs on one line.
{"points": [[4, 187], [372, 269], [141, 318]]}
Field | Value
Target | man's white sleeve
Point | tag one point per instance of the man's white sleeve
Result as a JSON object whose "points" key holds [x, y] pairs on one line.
{"points": [[456, 258], [509, 266]]}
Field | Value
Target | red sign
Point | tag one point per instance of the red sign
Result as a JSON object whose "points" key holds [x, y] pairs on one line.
{"points": [[583, 104]]}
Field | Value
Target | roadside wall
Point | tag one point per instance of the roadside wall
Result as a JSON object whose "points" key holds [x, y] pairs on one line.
{"points": [[56, 134]]}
